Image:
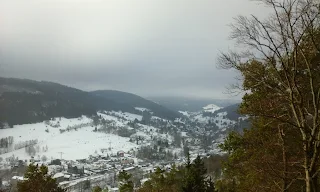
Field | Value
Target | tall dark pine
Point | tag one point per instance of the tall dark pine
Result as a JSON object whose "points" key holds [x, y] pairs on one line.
{"points": [[195, 179], [37, 179]]}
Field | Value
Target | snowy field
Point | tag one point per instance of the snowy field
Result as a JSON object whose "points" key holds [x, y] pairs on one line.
{"points": [[220, 119], [75, 138], [211, 108], [115, 116], [72, 145], [185, 113]]}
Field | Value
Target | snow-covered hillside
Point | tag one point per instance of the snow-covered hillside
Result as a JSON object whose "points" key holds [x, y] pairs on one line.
{"points": [[78, 138], [142, 109], [113, 131], [71, 145], [220, 119], [211, 108], [185, 113]]}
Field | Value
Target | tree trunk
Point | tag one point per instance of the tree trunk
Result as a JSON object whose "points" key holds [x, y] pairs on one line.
{"points": [[284, 159], [311, 179], [308, 180], [308, 176], [315, 184]]}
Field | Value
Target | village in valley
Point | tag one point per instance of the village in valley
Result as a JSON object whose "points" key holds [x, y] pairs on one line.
{"points": [[85, 152]]}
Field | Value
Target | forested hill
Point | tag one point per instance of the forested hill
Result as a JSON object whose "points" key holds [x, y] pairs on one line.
{"points": [[232, 111], [137, 101], [191, 104], [27, 101]]}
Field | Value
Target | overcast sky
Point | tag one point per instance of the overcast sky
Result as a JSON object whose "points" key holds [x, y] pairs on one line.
{"points": [[147, 47]]}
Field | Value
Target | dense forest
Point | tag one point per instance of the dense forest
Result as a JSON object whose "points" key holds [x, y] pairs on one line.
{"points": [[25, 101], [281, 85]]}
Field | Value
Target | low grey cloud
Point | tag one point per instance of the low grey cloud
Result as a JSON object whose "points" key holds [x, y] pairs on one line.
{"points": [[148, 47]]}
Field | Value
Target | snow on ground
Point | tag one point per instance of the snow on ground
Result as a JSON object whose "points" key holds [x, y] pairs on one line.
{"points": [[129, 116], [125, 115], [222, 121], [179, 120], [108, 117], [117, 121], [185, 113], [157, 118], [201, 118], [148, 128], [150, 133], [82, 142], [73, 145], [211, 108], [142, 109], [184, 134], [64, 122], [244, 118]]}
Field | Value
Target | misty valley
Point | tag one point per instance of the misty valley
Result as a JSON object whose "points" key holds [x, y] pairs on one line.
{"points": [[80, 144], [160, 96]]}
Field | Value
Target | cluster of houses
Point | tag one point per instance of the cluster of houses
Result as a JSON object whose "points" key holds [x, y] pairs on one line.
{"points": [[98, 170]]}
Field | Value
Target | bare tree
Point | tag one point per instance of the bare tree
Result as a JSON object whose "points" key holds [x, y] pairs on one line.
{"points": [[44, 158], [288, 44]]}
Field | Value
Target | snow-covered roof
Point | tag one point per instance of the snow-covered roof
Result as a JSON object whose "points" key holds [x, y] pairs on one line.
{"points": [[185, 113], [144, 180], [142, 109], [129, 168], [183, 134], [18, 178], [211, 108], [57, 175], [5, 183]]}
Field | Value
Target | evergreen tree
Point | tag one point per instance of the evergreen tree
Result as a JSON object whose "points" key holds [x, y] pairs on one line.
{"points": [[190, 177], [37, 179], [194, 179], [97, 189], [163, 181], [86, 184], [126, 184]]}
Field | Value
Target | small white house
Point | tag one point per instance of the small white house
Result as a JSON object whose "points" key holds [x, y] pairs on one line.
{"points": [[114, 189]]}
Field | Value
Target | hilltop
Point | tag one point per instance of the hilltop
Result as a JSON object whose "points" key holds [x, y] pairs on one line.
{"points": [[26, 101]]}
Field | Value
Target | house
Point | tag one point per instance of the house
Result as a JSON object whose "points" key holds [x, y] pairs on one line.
{"points": [[67, 177], [76, 169], [18, 178], [14, 180], [55, 162], [114, 189], [59, 177], [130, 169], [104, 150], [126, 161], [120, 153], [82, 160]]}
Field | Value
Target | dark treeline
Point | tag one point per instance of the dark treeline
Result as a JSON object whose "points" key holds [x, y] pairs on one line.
{"points": [[190, 177], [6, 142], [25, 101]]}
